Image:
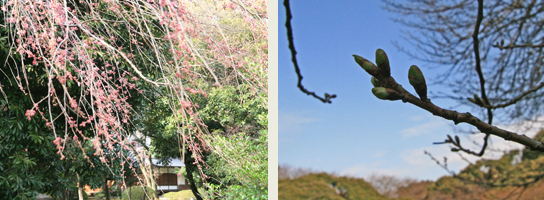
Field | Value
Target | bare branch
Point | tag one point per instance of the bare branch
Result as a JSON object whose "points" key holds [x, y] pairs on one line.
{"points": [[513, 46], [480, 74], [394, 91], [447, 34], [445, 165], [468, 118], [327, 98], [516, 99]]}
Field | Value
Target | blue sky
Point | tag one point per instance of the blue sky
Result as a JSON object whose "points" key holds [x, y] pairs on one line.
{"points": [[358, 134]]}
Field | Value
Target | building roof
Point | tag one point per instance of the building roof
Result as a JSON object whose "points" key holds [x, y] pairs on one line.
{"points": [[175, 162]]}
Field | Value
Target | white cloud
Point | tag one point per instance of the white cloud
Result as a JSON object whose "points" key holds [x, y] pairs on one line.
{"points": [[292, 121], [417, 118], [424, 172], [376, 167], [417, 158], [431, 126], [413, 163], [379, 153]]}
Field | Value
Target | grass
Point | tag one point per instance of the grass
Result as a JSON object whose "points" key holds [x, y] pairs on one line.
{"points": [[180, 195]]}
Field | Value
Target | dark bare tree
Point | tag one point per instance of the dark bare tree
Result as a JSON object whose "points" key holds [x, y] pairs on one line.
{"points": [[493, 51]]}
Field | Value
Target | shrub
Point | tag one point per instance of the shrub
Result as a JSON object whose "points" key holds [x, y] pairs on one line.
{"points": [[113, 193], [180, 195], [137, 193]]}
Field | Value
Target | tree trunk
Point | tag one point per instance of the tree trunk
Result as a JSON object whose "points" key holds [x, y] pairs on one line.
{"points": [[152, 183], [147, 175], [189, 168], [67, 194], [80, 193], [106, 190], [79, 188], [147, 171]]}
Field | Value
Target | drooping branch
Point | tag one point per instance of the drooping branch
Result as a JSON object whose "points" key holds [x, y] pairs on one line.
{"points": [[122, 54], [327, 98], [89, 52]]}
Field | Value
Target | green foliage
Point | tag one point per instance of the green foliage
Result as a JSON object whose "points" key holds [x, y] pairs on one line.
{"points": [[114, 192], [447, 185], [242, 164], [510, 169], [528, 154], [325, 186], [180, 195], [239, 155], [234, 108], [238, 162], [236, 192], [23, 146], [137, 193], [28, 163]]}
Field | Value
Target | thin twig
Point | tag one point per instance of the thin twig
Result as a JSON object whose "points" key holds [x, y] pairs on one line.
{"points": [[479, 19], [518, 98], [513, 46], [445, 165], [468, 118], [328, 97]]}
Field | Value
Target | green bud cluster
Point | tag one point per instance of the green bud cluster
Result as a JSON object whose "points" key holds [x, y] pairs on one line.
{"points": [[382, 72]]}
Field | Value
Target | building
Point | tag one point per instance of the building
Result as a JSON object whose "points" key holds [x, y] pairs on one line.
{"points": [[167, 177]]}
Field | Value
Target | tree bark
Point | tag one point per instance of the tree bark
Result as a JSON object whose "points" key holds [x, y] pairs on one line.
{"points": [[79, 188], [67, 194], [147, 171], [147, 174], [152, 182], [189, 168], [106, 190]]}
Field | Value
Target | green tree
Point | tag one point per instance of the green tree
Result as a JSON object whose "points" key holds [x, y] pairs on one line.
{"points": [[491, 51], [237, 157]]}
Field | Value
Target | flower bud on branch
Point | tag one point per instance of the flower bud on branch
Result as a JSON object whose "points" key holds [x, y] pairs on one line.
{"points": [[383, 63], [375, 82], [386, 93], [368, 66], [417, 80]]}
